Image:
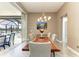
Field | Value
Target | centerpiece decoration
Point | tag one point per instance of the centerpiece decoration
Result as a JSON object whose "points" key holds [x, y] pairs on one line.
{"points": [[41, 26], [42, 23]]}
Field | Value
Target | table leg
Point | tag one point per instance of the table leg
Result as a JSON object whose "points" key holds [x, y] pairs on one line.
{"points": [[53, 53]]}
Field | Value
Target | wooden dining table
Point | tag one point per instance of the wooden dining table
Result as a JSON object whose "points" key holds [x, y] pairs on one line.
{"points": [[54, 47]]}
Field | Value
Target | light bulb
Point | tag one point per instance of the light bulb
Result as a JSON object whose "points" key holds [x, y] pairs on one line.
{"points": [[38, 19], [44, 17], [49, 18]]}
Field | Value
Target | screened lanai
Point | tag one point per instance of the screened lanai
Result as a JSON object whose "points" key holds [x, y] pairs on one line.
{"points": [[10, 25]]}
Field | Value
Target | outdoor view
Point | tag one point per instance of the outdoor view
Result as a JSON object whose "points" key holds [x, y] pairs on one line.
{"points": [[10, 25]]}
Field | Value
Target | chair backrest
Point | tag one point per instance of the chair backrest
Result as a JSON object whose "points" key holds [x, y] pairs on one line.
{"points": [[49, 35], [7, 38], [2, 38], [53, 37], [39, 35], [38, 49]]}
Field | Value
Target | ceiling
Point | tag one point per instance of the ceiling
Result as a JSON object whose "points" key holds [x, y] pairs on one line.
{"points": [[7, 8], [42, 6]]}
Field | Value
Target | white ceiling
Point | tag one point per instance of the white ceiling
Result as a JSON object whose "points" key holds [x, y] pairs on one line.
{"points": [[7, 8], [42, 6]]}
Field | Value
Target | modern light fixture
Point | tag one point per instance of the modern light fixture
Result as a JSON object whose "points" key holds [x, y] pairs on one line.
{"points": [[44, 18], [43, 23]]}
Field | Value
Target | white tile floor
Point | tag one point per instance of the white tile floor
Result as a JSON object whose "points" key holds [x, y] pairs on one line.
{"points": [[16, 51], [65, 52]]}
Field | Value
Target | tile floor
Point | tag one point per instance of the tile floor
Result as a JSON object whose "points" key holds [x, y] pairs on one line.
{"points": [[65, 52], [16, 51]]}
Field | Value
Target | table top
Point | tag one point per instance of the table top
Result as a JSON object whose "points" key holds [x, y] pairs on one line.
{"points": [[54, 47], [41, 39]]}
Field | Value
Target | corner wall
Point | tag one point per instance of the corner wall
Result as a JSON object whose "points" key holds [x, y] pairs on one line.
{"points": [[72, 11], [32, 26]]}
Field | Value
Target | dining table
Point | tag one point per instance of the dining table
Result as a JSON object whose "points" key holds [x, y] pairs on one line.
{"points": [[54, 47]]}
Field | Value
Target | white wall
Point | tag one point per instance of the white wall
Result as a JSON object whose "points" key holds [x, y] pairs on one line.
{"points": [[32, 20], [24, 27], [7, 9], [72, 11]]}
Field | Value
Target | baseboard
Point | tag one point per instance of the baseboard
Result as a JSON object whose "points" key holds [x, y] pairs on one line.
{"points": [[75, 52]]}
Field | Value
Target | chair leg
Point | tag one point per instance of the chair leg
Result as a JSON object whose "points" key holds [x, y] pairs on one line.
{"points": [[9, 44], [4, 46], [53, 54]]}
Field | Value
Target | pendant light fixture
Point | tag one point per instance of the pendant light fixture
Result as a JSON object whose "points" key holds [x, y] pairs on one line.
{"points": [[44, 18]]}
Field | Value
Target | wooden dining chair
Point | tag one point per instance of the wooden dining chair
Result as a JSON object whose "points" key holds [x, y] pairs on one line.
{"points": [[53, 37], [49, 35]]}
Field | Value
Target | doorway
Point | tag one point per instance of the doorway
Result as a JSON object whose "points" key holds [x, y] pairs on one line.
{"points": [[64, 30]]}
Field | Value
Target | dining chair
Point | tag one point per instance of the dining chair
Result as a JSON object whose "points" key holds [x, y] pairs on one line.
{"points": [[2, 39], [40, 49], [53, 37], [7, 40], [49, 35]]}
